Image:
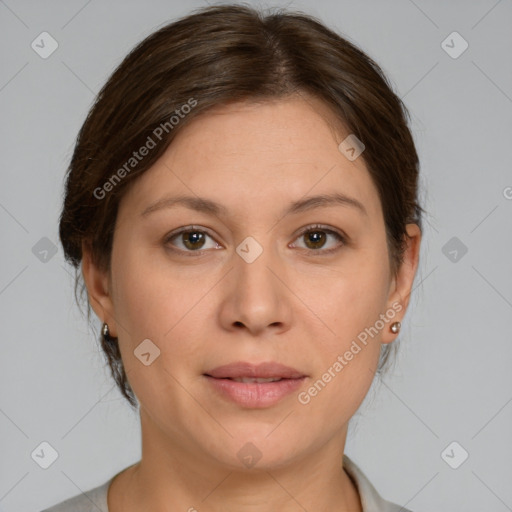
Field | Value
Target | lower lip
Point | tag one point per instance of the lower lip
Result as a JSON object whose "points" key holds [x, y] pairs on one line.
{"points": [[256, 395]]}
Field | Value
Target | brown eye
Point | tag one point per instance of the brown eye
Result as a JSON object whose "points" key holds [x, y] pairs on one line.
{"points": [[316, 238], [193, 239], [190, 240]]}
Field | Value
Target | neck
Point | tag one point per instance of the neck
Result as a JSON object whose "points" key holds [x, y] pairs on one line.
{"points": [[177, 478]]}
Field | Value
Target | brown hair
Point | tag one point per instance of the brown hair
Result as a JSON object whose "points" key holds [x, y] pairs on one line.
{"points": [[214, 56]]}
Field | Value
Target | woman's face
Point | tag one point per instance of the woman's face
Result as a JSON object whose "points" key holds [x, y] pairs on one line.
{"points": [[253, 279]]}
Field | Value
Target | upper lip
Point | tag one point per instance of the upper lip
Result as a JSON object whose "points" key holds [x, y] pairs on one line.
{"points": [[263, 371]]}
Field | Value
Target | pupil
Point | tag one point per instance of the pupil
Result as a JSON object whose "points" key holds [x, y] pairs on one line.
{"points": [[192, 238], [316, 237]]}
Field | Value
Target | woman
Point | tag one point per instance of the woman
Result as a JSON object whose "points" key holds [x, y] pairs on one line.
{"points": [[242, 205]]}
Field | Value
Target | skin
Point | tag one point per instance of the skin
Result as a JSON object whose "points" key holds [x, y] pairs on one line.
{"points": [[292, 305]]}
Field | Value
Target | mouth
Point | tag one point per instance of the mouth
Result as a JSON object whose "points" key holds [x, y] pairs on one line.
{"points": [[255, 386], [255, 379]]}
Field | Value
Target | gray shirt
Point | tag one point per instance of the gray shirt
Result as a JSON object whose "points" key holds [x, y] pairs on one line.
{"points": [[95, 500]]}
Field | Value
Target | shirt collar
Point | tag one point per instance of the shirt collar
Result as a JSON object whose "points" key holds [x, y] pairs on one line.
{"points": [[371, 500]]}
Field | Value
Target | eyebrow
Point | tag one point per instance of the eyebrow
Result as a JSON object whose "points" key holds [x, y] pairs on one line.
{"points": [[208, 206]]}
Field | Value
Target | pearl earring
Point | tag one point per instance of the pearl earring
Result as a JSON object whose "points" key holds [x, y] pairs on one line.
{"points": [[395, 327]]}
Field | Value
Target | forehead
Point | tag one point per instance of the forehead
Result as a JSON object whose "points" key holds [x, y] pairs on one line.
{"points": [[297, 129], [266, 153]]}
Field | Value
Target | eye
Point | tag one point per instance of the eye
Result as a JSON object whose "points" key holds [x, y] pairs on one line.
{"points": [[194, 240], [191, 239], [315, 238]]}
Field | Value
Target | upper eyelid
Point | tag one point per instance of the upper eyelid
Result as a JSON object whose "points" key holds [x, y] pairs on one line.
{"points": [[312, 227], [184, 229]]}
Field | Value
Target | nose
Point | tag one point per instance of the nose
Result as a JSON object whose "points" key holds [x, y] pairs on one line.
{"points": [[255, 296]]}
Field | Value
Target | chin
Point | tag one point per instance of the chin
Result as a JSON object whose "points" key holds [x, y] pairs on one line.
{"points": [[253, 449]]}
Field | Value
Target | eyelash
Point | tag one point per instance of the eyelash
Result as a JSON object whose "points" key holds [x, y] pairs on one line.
{"points": [[315, 227]]}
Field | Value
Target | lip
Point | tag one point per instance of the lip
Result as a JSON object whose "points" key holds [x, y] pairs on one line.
{"points": [[255, 395], [263, 371]]}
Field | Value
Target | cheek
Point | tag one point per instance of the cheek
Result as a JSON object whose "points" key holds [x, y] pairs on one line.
{"points": [[143, 297], [165, 307], [345, 359], [350, 303], [349, 298], [159, 302]]}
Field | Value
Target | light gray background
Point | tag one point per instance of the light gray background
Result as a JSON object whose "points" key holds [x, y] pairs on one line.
{"points": [[453, 380]]}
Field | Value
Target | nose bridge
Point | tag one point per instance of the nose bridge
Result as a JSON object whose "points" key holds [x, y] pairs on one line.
{"points": [[256, 295], [253, 260]]}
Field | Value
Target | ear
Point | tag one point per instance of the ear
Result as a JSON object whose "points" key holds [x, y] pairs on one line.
{"points": [[97, 282], [401, 285]]}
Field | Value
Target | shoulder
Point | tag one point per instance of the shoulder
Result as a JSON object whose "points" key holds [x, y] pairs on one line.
{"points": [[371, 500], [94, 500]]}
